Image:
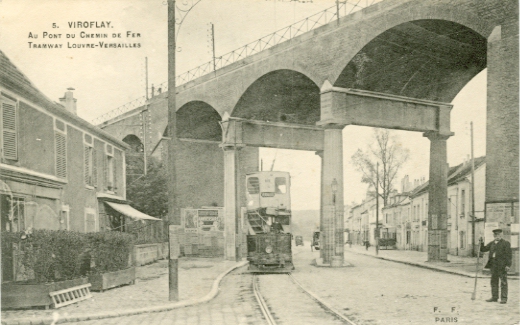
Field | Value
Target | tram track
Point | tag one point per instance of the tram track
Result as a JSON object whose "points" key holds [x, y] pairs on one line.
{"points": [[261, 302], [286, 301]]}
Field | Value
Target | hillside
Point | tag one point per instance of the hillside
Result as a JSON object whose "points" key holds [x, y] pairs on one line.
{"points": [[305, 222]]}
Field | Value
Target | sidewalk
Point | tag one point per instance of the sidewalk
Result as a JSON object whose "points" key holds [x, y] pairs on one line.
{"points": [[198, 282], [464, 266]]}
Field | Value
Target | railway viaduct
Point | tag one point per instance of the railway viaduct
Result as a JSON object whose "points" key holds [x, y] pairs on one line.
{"points": [[395, 64]]}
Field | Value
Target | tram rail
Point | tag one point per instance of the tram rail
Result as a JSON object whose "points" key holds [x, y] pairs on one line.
{"points": [[272, 320]]}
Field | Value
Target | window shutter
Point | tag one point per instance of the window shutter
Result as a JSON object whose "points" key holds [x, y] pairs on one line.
{"points": [[60, 141], [114, 170], [105, 172], [94, 167], [9, 136], [87, 165]]}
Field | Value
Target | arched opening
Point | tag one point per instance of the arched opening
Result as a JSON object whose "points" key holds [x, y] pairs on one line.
{"points": [[427, 59], [281, 96], [134, 142], [198, 120]]}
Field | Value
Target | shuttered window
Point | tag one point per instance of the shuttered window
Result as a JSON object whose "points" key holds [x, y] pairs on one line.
{"points": [[88, 164], [110, 170], [60, 142], [115, 170], [94, 168], [88, 155], [9, 134], [110, 179]]}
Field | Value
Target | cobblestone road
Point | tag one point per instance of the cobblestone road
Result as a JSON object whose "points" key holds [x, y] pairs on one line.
{"points": [[289, 304], [373, 291], [235, 304], [382, 292]]}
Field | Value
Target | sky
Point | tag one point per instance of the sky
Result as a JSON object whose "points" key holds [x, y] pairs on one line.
{"points": [[107, 78]]}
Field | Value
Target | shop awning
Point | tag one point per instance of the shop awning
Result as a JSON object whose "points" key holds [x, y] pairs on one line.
{"points": [[130, 212]]}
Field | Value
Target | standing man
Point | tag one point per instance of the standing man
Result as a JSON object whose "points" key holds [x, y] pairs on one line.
{"points": [[499, 262]]}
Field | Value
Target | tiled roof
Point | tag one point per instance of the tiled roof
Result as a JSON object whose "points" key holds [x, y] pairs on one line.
{"points": [[455, 174], [12, 79], [464, 170]]}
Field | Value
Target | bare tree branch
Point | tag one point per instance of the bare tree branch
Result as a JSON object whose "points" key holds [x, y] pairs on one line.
{"points": [[390, 154]]}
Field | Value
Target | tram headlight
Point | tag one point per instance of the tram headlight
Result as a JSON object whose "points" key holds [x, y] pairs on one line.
{"points": [[269, 249]]}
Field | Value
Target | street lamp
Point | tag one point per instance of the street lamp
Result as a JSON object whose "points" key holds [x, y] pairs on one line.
{"points": [[334, 187], [335, 261]]}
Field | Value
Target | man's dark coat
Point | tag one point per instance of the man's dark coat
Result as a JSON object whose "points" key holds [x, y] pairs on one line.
{"points": [[502, 251]]}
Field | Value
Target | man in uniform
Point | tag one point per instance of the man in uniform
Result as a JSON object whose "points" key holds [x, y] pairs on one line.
{"points": [[499, 262]]}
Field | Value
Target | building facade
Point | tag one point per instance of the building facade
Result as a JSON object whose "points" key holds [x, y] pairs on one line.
{"points": [[57, 170], [408, 211]]}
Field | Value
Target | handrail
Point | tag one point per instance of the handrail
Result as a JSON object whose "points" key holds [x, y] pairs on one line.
{"points": [[296, 29]]}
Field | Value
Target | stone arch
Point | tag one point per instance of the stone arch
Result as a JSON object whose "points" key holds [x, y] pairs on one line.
{"points": [[134, 142], [429, 53], [198, 120], [281, 96]]}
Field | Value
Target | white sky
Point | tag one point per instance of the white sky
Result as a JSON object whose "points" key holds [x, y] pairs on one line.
{"points": [[107, 78]]}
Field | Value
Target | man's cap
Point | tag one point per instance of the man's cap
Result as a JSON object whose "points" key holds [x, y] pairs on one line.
{"points": [[496, 231]]}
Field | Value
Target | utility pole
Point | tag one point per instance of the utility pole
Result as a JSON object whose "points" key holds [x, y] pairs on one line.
{"points": [[472, 194], [143, 119], [212, 31], [146, 76], [377, 209], [337, 12], [173, 217]]}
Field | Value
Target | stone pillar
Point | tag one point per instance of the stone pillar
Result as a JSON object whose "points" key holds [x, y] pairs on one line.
{"points": [[502, 142], [231, 206], [438, 199], [320, 153], [332, 201]]}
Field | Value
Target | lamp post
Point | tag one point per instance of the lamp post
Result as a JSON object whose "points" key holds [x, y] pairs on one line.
{"points": [[336, 259]]}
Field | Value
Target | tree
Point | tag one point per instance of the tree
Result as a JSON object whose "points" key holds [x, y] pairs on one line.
{"points": [[390, 155], [149, 193]]}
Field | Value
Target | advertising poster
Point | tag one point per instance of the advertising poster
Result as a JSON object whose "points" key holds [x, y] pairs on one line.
{"points": [[359, 101], [191, 220]]}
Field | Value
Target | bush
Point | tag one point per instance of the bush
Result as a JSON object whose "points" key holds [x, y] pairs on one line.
{"points": [[61, 255], [51, 255], [387, 242], [110, 250]]}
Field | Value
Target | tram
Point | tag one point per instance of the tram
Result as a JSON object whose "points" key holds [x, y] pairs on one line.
{"points": [[268, 219]]}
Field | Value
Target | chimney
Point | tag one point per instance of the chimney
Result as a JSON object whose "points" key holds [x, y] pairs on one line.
{"points": [[69, 101]]}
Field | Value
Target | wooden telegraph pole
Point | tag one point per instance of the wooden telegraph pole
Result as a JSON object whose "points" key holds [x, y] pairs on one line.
{"points": [[472, 196], [377, 209], [173, 216]]}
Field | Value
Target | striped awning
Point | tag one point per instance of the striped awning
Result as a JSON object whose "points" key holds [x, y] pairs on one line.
{"points": [[130, 212]]}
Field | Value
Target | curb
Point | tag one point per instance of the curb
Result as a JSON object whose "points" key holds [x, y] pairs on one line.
{"points": [[153, 309], [424, 266], [431, 267]]}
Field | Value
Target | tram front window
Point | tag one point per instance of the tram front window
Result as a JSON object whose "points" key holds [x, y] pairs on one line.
{"points": [[280, 185]]}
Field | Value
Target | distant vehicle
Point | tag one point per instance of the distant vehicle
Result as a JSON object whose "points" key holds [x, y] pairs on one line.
{"points": [[298, 240], [315, 243]]}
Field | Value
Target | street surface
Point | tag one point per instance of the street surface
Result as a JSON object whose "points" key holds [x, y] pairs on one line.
{"points": [[291, 305], [235, 304], [373, 291]]}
